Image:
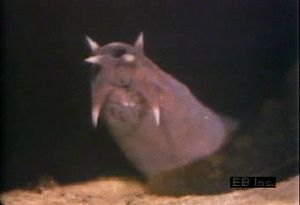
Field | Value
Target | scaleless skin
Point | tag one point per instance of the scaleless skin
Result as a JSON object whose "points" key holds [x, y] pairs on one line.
{"points": [[153, 117]]}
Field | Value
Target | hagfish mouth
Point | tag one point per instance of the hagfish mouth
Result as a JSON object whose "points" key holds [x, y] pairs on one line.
{"points": [[123, 99]]}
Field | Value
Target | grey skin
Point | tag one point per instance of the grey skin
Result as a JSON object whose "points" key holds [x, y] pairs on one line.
{"points": [[154, 118]]}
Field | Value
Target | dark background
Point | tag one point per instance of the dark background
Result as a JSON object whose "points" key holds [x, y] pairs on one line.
{"points": [[232, 54]]}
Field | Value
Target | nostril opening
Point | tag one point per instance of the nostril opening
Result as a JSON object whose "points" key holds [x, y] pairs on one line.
{"points": [[119, 52]]}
